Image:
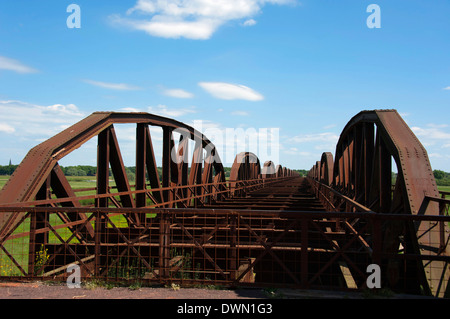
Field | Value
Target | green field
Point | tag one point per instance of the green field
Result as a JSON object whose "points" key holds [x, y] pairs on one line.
{"points": [[3, 180], [444, 188], [77, 182], [19, 246]]}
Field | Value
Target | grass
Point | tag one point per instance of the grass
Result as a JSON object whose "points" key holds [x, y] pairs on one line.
{"points": [[444, 188], [76, 182], [19, 246], [3, 180]]}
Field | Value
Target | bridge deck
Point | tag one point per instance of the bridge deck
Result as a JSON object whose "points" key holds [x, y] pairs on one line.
{"points": [[294, 194], [260, 226]]}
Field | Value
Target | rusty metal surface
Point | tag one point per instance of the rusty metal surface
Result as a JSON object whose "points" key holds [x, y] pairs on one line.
{"points": [[226, 246], [39, 182], [326, 168], [371, 146], [24, 184], [262, 226]]}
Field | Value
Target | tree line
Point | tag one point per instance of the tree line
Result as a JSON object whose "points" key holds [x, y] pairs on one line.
{"points": [[442, 178], [86, 170]]}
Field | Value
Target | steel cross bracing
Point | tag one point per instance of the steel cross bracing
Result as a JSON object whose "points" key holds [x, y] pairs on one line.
{"points": [[372, 146], [264, 225]]}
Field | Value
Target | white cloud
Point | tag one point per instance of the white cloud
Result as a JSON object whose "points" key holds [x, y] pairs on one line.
{"points": [[163, 110], [113, 86], [129, 109], [228, 91], [14, 65], [172, 28], [178, 93], [310, 146], [194, 19], [328, 137], [6, 128], [297, 152], [433, 137], [447, 88], [436, 140], [240, 113], [249, 23], [432, 132], [37, 122], [69, 109]]}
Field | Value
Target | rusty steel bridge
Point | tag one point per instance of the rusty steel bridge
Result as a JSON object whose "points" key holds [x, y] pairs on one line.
{"points": [[263, 226]]}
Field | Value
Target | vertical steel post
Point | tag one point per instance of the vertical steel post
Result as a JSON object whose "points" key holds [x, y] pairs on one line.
{"points": [[304, 253], [385, 176], [99, 232], [37, 221], [233, 258], [377, 245], [164, 246], [368, 149], [103, 167], [141, 159], [102, 188], [167, 137]]}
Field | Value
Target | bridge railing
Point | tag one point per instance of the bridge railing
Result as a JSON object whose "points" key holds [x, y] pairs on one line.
{"points": [[228, 247], [432, 221], [444, 205], [333, 200], [182, 195]]}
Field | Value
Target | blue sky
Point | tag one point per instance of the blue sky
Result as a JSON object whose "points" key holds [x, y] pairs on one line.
{"points": [[303, 67]]}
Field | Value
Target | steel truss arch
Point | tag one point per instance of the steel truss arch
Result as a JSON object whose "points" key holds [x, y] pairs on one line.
{"points": [[268, 170], [40, 179], [372, 146]]}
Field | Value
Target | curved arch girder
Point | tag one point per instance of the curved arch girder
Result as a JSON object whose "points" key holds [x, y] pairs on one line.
{"points": [[39, 175], [268, 170], [246, 165], [372, 146], [326, 168]]}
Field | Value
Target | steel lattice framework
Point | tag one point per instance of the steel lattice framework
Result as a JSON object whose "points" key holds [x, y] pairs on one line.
{"points": [[263, 225], [39, 171], [371, 146]]}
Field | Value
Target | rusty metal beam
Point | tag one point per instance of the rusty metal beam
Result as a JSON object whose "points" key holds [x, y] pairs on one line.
{"points": [[368, 145]]}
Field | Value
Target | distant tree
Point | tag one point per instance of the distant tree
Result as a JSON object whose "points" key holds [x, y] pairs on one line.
{"points": [[89, 170], [302, 172], [75, 171], [438, 174], [442, 178], [71, 171], [130, 174], [8, 169]]}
